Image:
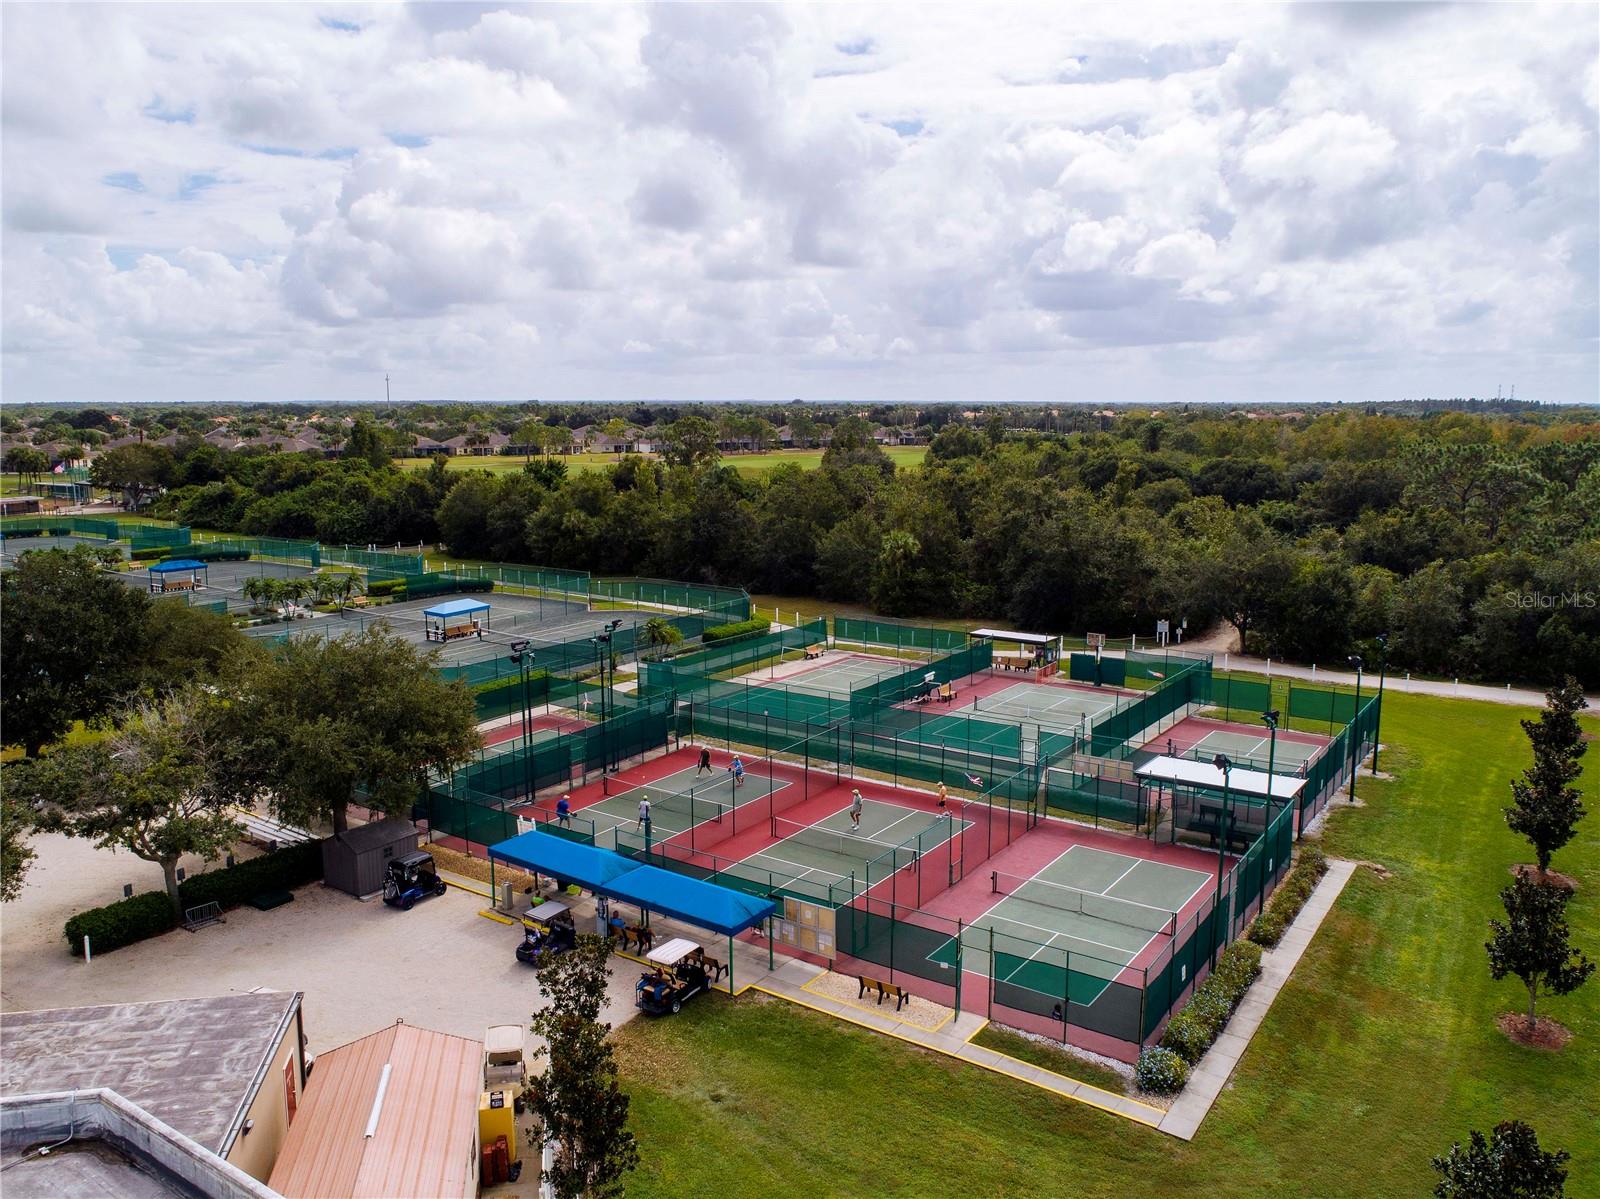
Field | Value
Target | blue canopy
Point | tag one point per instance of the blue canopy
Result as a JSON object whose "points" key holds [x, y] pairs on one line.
{"points": [[161, 568], [691, 900], [456, 607], [608, 873]]}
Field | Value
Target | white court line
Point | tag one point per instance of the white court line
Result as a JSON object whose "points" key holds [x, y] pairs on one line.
{"points": [[1055, 932]]}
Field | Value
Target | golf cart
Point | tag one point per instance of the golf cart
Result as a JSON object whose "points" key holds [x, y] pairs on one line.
{"points": [[411, 877], [503, 1068], [675, 976], [552, 932]]}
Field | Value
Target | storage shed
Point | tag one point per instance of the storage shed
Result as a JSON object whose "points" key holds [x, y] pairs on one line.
{"points": [[355, 861]]}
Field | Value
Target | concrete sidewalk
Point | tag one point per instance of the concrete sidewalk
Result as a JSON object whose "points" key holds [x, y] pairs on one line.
{"points": [[1505, 694]]}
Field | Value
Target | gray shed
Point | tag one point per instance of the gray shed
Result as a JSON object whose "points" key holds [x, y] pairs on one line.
{"points": [[355, 861]]}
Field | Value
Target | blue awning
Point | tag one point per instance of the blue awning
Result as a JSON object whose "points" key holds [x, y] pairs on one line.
{"points": [[585, 865], [605, 872], [456, 607], [161, 568], [692, 900]]}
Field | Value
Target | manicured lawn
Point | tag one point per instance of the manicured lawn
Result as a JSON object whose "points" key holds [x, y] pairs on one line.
{"points": [[745, 464], [1380, 1052]]}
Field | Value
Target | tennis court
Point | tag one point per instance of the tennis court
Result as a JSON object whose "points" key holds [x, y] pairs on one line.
{"points": [[1090, 913], [1055, 706], [827, 853], [1244, 747], [843, 674], [12, 548], [678, 802]]}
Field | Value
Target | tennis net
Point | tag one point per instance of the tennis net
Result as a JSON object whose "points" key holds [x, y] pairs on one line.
{"points": [[1086, 903], [692, 804], [846, 845]]}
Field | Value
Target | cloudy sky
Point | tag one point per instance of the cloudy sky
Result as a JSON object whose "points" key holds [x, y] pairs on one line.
{"points": [[1372, 201]]}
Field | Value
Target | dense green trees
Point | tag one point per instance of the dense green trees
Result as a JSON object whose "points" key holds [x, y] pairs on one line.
{"points": [[1473, 539]]}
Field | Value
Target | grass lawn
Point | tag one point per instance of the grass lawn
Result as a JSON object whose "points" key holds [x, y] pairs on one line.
{"points": [[745, 464], [1380, 1052]]}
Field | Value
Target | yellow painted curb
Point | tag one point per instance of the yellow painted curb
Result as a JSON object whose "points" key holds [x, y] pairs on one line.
{"points": [[495, 916]]}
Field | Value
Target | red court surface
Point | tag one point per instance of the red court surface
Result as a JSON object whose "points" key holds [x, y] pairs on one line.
{"points": [[1247, 744], [510, 729]]}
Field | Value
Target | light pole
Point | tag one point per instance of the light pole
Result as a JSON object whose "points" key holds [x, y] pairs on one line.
{"points": [[523, 657], [602, 643], [1383, 667], [1222, 763], [1355, 738], [1270, 719]]}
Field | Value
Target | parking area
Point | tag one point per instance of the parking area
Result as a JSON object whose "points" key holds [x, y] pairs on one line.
{"points": [[361, 965]]}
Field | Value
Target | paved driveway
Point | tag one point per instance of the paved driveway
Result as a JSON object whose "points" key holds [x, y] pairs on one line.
{"points": [[361, 965]]}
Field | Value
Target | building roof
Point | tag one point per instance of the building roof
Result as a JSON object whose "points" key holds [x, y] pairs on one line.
{"points": [[376, 834], [424, 1127], [456, 607], [194, 1064]]}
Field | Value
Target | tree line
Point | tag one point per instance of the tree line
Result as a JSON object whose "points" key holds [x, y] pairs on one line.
{"points": [[1472, 540]]}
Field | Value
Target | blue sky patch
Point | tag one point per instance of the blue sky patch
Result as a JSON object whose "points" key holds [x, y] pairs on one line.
{"points": [[864, 45], [196, 183], [276, 151], [341, 26], [411, 141], [906, 128], [128, 181], [337, 153], [157, 110]]}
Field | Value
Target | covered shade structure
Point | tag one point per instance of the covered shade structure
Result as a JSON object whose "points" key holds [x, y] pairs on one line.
{"points": [[455, 618], [650, 888], [177, 574]]}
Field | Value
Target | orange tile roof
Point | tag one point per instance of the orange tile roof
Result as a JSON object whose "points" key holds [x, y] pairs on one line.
{"points": [[425, 1142]]}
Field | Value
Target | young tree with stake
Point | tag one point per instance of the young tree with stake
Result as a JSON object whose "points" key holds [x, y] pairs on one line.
{"points": [[1532, 942], [1548, 807]]}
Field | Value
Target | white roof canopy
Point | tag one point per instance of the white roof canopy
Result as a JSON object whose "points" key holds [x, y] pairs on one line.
{"points": [[1253, 783], [670, 953], [1009, 635]]}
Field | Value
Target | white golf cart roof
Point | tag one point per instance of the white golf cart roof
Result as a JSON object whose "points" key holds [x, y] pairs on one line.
{"points": [[547, 911], [503, 1039], [672, 952]]}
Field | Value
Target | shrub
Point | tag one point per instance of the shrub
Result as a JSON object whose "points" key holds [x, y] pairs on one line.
{"points": [[150, 914], [121, 923], [722, 632], [218, 553], [150, 553], [1160, 1071], [1268, 928], [385, 587], [1190, 1033], [287, 868]]}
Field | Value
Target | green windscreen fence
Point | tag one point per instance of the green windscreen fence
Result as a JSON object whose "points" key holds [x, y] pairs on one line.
{"points": [[1247, 698], [396, 561], [741, 654], [65, 526], [896, 635], [1101, 671], [150, 536], [729, 604]]}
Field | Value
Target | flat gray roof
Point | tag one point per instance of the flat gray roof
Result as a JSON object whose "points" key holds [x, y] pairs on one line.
{"points": [[191, 1063]]}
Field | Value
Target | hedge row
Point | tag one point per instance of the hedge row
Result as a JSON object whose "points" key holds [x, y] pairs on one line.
{"points": [[538, 683], [383, 587], [150, 914], [1190, 1033], [216, 553], [722, 632], [150, 553], [1268, 928]]}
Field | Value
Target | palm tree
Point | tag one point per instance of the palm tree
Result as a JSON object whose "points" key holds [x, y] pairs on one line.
{"points": [[325, 586], [296, 590], [256, 591], [659, 631], [350, 585]]}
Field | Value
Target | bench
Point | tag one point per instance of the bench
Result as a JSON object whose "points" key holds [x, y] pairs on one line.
{"points": [[947, 692], [1209, 822], [815, 651], [268, 900], [268, 833], [638, 936], [707, 963], [883, 989]]}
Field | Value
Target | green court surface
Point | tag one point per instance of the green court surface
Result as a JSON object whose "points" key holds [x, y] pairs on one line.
{"points": [[827, 854], [12, 548], [1088, 913], [1242, 749], [842, 675], [1058, 707], [677, 802]]}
